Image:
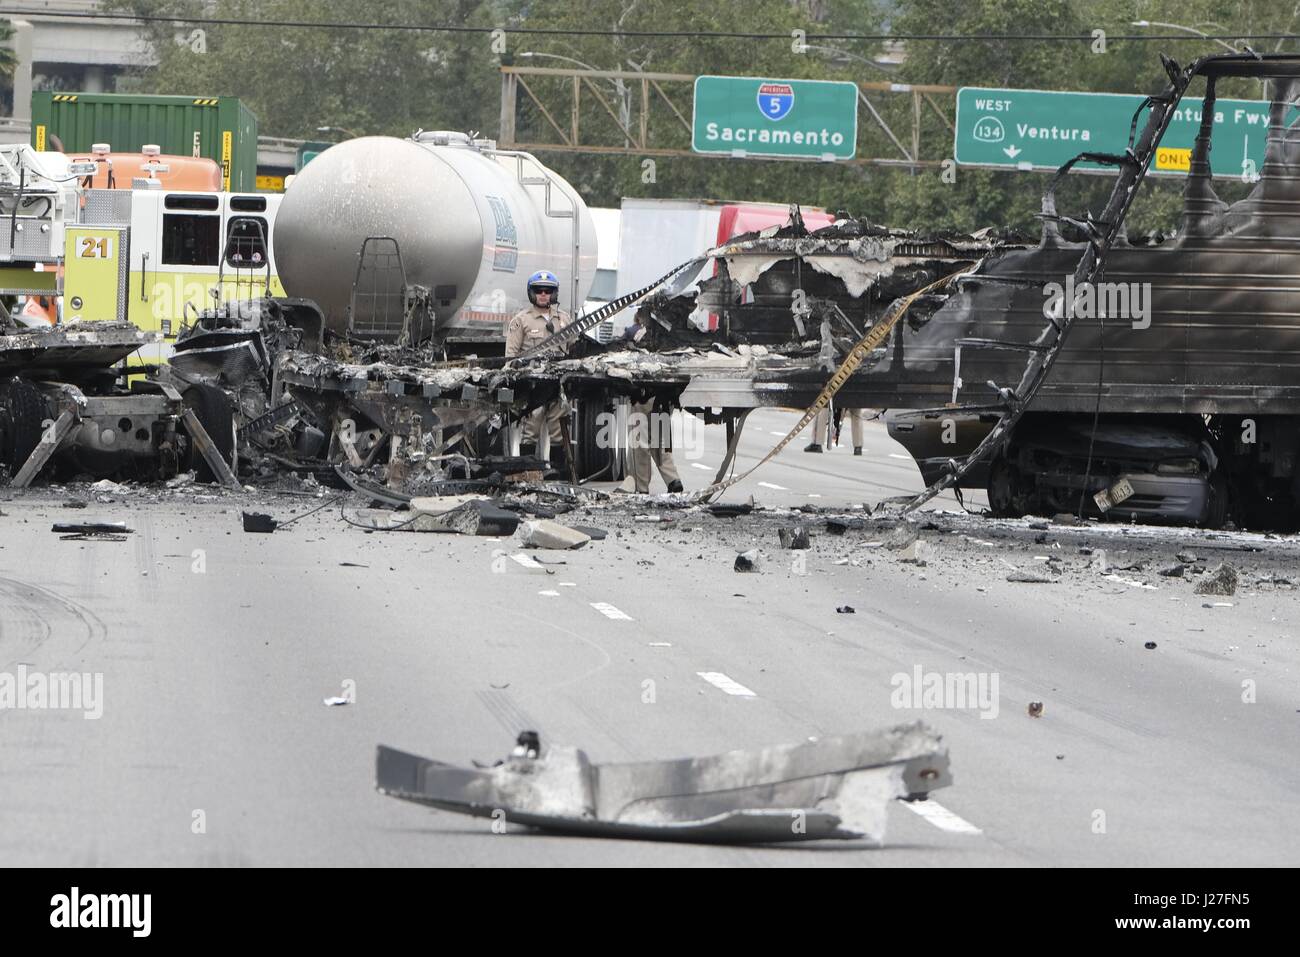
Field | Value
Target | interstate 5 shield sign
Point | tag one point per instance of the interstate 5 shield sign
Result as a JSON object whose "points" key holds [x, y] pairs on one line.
{"points": [[775, 99], [756, 117]]}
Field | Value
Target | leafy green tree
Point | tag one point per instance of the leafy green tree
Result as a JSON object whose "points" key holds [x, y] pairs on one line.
{"points": [[8, 59], [376, 81], [296, 79]]}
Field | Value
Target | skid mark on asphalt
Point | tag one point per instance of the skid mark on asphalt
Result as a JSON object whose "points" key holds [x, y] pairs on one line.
{"points": [[30, 615], [507, 711], [723, 683], [572, 634], [941, 817]]}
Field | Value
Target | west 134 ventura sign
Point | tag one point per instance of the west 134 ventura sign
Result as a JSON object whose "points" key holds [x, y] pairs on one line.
{"points": [[789, 119], [1038, 129]]}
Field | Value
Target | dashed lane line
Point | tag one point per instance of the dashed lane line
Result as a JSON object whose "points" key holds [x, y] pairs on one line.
{"points": [[941, 817], [723, 683]]}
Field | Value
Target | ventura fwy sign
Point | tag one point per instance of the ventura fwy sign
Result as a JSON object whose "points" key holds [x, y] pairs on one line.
{"points": [[789, 119], [1036, 129]]}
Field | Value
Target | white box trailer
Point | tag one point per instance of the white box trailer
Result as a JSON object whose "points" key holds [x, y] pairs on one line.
{"points": [[657, 234]]}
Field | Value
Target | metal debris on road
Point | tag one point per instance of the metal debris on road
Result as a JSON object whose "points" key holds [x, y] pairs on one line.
{"points": [[835, 787]]}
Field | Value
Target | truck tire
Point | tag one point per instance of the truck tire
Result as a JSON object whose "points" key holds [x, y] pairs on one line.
{"points": [[1006, 499], [22, 412], [593, 460], [212, 408]]}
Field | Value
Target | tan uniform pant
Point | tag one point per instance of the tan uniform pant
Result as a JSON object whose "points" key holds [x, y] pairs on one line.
{"points": [[641, 448], [542, 426], [823, 421]]}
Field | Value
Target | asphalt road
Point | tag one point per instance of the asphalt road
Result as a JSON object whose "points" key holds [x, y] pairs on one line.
{"points": [[218, 647]]}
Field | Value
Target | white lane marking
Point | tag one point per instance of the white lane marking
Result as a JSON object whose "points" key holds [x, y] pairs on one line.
{"points": [[905, 458], [609, 611], [814, 495], [775, 488], [550, 594], [701, 465], [723, 683], [568, 584], [661, 644], [780, 434], [941, 817], [527, 561]]}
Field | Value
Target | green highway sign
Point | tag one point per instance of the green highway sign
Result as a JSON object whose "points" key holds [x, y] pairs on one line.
{"points": [[307, 152], [1038, 129], [745, 116]]}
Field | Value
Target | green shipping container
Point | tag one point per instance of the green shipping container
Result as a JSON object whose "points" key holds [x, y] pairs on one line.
{"points": [[218, 127]]}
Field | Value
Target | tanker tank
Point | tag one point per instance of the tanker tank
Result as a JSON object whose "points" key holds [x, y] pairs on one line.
{"points": [[471, 224]]}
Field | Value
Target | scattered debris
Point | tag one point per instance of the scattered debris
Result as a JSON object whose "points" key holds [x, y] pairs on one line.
{"points": [[1220, 580], [108, 487], [91, 531], [1035, 709], [845, 610], [904, 535], [1187, 558], [721, 510], [837, 787], [595, 534], [1032, 578], [911, 555], [1174, 570], [838, 526], [747, 561], [1132, 583], [336, 702], [477, 517], [547, 534], [257, 522], [1150, 646], [794, 538]]}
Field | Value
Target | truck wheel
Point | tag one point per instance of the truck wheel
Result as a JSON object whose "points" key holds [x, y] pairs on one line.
{"points": [[212, 408], [1005, 498], [22, 411], [592, 457], [1216, 509]]}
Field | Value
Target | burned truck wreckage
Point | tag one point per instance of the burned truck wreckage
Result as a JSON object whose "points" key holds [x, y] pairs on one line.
{"points": [[1084, 370]]}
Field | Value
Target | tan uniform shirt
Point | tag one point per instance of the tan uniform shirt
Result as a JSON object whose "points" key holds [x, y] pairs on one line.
{"points": [[528, 328]]}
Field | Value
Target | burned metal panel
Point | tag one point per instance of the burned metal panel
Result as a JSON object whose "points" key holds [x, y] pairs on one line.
{"points": [[70, 351], [837, 787]]}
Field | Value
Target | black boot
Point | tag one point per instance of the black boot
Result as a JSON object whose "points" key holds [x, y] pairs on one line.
{"points": [[814, 447], [675, 487]]}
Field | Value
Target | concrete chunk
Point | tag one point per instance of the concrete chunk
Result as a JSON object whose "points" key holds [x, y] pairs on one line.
{"points": [[548, 534]]}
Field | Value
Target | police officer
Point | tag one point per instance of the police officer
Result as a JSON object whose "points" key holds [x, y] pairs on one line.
{"points": [[823, 420], [528, 328], [650, 438]]}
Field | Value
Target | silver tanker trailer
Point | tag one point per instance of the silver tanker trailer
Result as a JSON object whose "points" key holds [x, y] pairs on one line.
{"points": [[373, 218]]}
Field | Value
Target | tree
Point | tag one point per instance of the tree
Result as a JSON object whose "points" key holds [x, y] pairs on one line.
{"points": [[299, 78], [8, 59]]}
